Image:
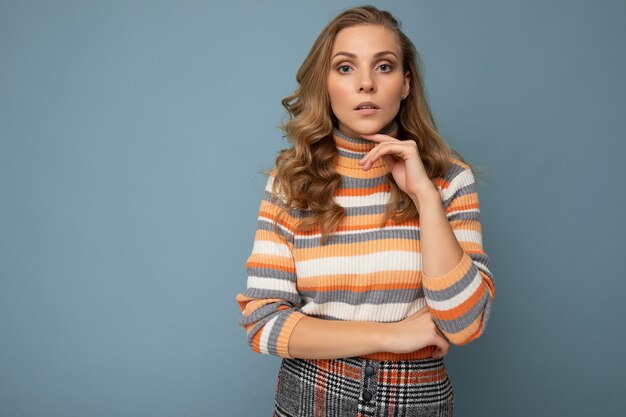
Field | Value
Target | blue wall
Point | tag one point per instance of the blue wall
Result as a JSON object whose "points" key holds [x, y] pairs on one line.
{"points": [[131, 138]]}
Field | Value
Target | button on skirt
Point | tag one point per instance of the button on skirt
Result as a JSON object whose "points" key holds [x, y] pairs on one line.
{"points": [[358, 387]]}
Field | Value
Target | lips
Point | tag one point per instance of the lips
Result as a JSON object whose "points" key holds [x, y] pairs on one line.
{"points": [[366, 105]]}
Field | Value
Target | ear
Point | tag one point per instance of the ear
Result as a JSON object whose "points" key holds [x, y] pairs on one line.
{"points": [[406, 84]]}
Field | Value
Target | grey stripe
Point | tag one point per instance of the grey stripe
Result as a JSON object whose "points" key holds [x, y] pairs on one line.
{"points": [[459, 286], [484, 258], [349, 182], [454, 289], [264, 224], [262, 314], [354, 211], [267, 196], [371, 297], [289, 297], [453, 171], [351, 154], [258, 326], [456, 325], [466, 215], [272, 342], [271, 273], [466, 189], [487, 313], [365, 210]]}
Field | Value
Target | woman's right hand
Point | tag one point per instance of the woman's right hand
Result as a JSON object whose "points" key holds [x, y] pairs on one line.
{"points": [[414, 333]]}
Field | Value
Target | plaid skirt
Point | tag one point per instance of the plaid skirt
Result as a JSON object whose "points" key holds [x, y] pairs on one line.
{"points": [[358, 387]]}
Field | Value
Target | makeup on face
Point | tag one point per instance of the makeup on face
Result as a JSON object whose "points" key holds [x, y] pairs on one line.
{"points": [[366, 79]]}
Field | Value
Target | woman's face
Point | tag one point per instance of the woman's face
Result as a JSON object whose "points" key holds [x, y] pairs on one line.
{"points": [[366, 65]]}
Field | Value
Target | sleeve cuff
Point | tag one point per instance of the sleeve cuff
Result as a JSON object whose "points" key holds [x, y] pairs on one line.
{"points": [[282, 346], [451, 277]]}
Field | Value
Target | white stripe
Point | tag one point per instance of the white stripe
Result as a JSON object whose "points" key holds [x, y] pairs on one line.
{"points": [[267, 247], [482, 266], [389, 312], [362, 264], [360, 201], [464, 178], [276, 284], [265, 334], [458, 211], [465, 235], [270, 182], [461, 297], [268, 188]]}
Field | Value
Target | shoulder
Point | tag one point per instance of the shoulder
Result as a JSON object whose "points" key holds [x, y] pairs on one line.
{"points": [[274, 192], [271, 180], [457, 179], [458, 163], [457, 170]]}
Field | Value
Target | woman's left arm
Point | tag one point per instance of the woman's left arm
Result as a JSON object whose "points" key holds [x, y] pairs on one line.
{"points": [[458, 285], [457, 282]]}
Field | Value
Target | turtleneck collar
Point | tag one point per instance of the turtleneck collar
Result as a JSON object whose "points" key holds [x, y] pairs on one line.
{"points": [[350, 150]]}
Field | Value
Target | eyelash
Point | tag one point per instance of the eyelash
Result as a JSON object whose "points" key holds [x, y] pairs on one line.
{"points": [[341, 66]]}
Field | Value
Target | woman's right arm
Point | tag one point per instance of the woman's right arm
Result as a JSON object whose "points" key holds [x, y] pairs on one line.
{"points": [[314, 338]]}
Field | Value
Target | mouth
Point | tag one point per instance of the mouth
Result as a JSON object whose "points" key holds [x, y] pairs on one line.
{"points": [[367, 105], [366, 108]]}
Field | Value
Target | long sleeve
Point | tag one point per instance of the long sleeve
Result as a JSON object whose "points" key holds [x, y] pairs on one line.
{"points": [[460, 301], [269, 303]]}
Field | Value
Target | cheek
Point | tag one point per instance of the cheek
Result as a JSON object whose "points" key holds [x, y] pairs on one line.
{"points": [[395, 88], [336, 91]]}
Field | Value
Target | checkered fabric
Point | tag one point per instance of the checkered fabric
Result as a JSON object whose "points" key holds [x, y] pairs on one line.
{"points": [[359, 387]]}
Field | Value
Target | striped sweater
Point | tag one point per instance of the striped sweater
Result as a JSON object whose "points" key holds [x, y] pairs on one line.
{"points": [[364, 272]]}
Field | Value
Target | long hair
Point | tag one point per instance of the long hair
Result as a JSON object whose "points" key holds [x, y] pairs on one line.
{"points": [[304, 172]]}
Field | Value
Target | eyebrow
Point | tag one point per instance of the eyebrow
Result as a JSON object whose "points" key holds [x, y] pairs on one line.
{"points": [[376, 55]]}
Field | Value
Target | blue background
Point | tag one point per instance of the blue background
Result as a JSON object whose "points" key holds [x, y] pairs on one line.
{"points": [[131, 138]]}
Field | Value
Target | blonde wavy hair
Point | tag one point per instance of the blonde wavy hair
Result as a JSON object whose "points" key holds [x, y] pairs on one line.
{"points": [[304, 172]]}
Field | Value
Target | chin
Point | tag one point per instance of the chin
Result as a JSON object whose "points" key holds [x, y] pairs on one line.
{"points": [[370, 128]]}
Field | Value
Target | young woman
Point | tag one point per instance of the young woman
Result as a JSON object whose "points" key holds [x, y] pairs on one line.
{"points": [[368, 257]]}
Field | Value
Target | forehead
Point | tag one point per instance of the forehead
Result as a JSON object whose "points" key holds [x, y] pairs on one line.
{"points": [[364, 40]]}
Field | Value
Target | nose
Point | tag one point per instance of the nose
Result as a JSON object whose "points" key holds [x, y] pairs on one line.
{"points": [[366, 83]]}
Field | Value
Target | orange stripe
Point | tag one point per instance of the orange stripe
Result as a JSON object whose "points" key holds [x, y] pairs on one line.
{"points": [[361, 282], [278, 266], [462, 308], [256, 341], [471, 332], [353, 288], [360, 192], [272, 215], [357, 248]]}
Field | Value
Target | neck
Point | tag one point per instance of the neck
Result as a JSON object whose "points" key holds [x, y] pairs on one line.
{"points": [[350, 150]]}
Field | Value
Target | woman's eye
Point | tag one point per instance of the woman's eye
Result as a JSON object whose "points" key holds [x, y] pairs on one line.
{"points": [[386, 65], [343, 66]]}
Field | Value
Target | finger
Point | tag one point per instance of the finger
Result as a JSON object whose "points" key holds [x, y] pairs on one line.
{"points": [[437, 352], [373, 151], [397, 149]]}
